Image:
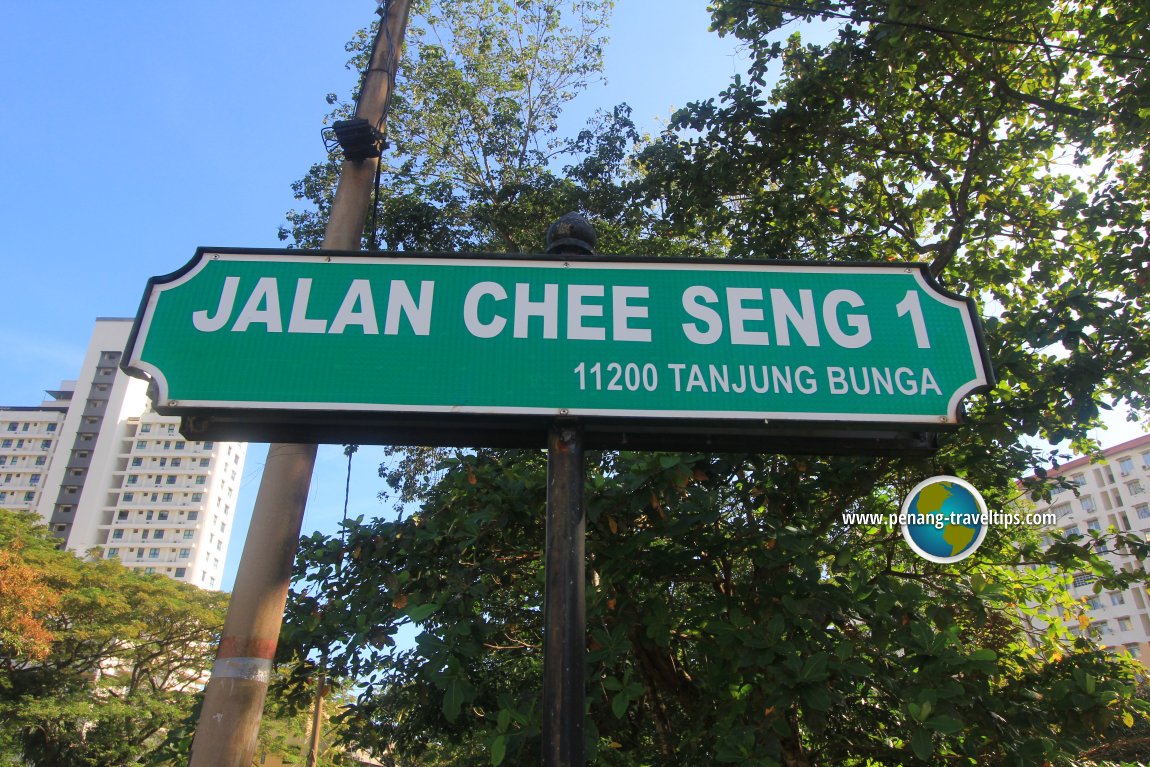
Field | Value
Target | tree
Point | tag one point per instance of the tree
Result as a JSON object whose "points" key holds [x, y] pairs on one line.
{"points": [[732, 616], [118, 659], [473, 127], [1003, 144]]}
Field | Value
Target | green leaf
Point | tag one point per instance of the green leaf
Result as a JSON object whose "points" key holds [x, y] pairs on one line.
{"points": [[498, 750], [922, 744], [944, 723], [619, 704], [454, 695], [817, 698], [421, 612]]}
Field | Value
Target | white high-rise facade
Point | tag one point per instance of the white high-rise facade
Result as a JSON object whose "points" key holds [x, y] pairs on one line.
{"points": [[1113, 492], [109, 474]]}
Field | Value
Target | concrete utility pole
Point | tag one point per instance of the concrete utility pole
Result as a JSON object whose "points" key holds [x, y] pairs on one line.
{"points": [[234, 697]]}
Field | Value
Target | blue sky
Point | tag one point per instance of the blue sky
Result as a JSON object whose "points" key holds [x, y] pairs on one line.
{"points": [[133, 132]]}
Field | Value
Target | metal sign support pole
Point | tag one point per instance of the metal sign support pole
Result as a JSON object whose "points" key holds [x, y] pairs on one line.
{"points": [[226, 735], [564, 597], [564, 611]]}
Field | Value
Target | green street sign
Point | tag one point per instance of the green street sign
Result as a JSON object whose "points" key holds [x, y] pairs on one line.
{"points": [[383, 335]]}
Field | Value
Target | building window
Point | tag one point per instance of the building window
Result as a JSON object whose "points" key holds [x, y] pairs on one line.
{"points": [[201, 480], [1117, 598], [188, 534], [113, 553], [30, 496], [1143, 511], [149, 571], [128, 498], [137, 461], [40, 460], [181, 572], [185, 553], [197, 497], [122, 515], [145, 428], [193, 515], [1092, 524], [1134, 487], [167, 497], [133, 479], [171, 480], [6, 443], [159, 536], [1125, 624], [117, 534], [1103, 628], [153, 553], [1088, 505], [209, 445], [141, 444], [163, 515], [175, 462], [1083, 579], [1095, 602], [1125, 465], [51, 427]]}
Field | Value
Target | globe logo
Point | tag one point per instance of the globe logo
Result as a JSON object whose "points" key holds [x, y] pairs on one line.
{"points": [[944, 519]]}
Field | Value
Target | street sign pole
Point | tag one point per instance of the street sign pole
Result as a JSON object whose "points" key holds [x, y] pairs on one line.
{"points": [[564, 597], [226, 735], [564, 604]]}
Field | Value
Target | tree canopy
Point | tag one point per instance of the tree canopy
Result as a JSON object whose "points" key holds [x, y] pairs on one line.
{"points": [[99, 661], [732, 616]]}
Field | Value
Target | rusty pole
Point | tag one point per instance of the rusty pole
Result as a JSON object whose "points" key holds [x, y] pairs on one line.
{"points": [[226, 735]]}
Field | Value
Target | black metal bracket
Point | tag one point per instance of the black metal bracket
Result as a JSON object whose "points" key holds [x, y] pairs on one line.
{"points": [[359, 139]]}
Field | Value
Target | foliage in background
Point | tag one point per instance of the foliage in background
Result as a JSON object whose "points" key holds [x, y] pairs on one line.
{"points": [[111, 658], [732, 617], [474, 133]]}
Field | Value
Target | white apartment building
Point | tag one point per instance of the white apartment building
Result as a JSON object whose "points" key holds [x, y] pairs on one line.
{"points": [[28, 438], [1112, 493], [112, 477]]}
